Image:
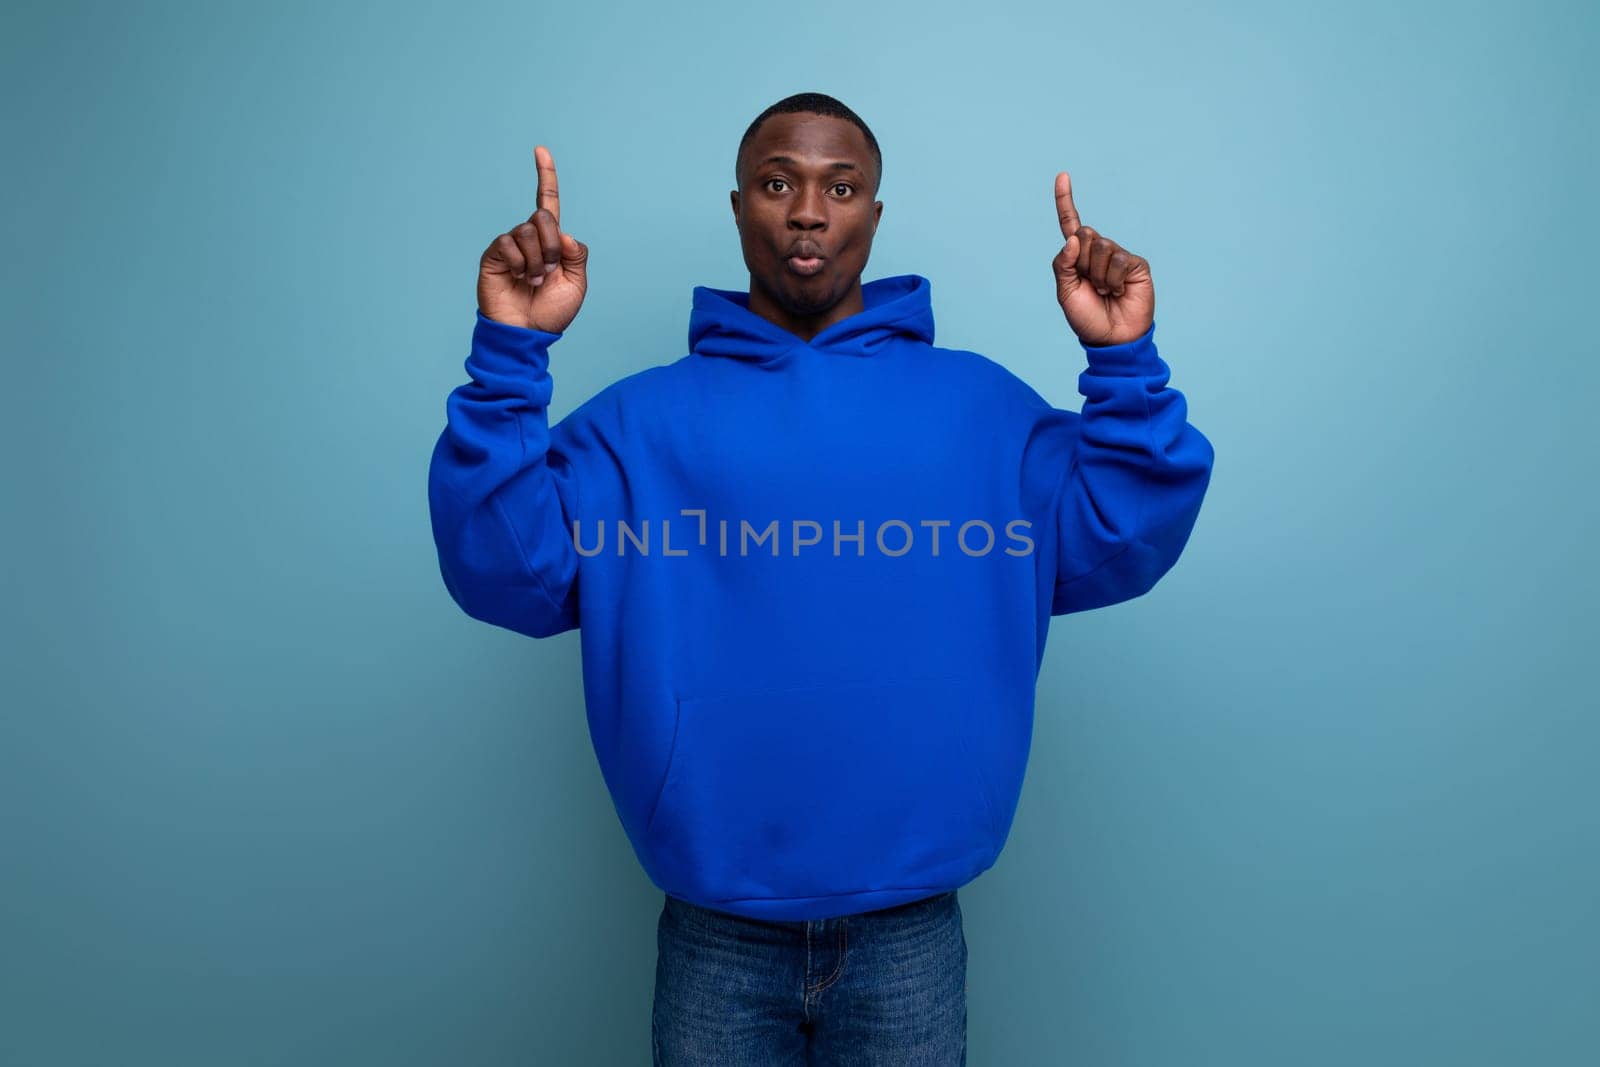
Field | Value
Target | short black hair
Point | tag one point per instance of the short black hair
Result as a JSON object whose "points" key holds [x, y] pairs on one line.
{"points": [[811, 104]]}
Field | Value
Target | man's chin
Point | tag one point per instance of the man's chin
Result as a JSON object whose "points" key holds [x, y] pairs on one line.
{"points": [[801, 296], [810, 305]]}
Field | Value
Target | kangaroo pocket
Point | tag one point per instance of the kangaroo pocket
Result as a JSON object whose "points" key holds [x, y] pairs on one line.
{"points": [[823, 791]]}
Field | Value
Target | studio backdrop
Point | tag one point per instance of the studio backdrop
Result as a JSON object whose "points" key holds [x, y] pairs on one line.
{"points": [[268, 796]]}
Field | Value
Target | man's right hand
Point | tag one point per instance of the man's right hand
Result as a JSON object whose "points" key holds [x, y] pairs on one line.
{"points": [[535, 276]]}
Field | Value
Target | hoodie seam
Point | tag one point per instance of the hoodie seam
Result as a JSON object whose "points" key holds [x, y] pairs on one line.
{"points": [[522, 554], [516, 539], [832, 896], [666, 770]]}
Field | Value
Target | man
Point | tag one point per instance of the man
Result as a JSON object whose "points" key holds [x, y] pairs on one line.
{"points": [[811, 692]]}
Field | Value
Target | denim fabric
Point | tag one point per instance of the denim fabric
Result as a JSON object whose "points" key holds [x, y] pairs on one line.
{"points": [[875, 988]]}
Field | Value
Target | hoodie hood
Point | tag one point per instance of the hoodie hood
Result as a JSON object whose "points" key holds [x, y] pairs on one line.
{"points": [[722, 324]]}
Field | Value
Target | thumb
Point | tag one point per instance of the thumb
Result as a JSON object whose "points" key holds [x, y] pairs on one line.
{"points": [[574, 255], [1065, 266], [1070, 254]]}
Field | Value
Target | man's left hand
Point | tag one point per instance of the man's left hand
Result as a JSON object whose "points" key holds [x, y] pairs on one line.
{"points": [[1104, 289]]}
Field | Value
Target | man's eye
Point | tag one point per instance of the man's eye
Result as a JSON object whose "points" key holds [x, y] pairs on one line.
{"points": [[836, 185]]}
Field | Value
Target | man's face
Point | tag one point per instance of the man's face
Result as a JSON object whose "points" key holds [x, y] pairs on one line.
{"points": [[815, 202]]}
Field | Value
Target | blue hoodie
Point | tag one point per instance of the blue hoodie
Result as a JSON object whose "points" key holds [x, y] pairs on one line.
{"points": [[812, 579]]}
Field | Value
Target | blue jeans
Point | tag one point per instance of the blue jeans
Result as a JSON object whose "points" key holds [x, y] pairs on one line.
{"points": [[879, 987]]}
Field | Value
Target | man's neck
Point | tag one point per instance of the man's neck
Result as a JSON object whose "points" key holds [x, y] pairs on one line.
{"points": [[806, 327]]}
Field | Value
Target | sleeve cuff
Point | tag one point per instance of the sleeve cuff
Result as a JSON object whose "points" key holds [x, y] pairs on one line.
{"points": [[503, 336], [1137, 356]]}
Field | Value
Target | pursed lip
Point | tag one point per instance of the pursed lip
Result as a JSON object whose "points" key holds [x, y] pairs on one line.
{"points": [[805, 250]]}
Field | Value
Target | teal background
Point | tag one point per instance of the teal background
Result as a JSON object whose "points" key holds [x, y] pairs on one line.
{"points": [[1324, 797]]}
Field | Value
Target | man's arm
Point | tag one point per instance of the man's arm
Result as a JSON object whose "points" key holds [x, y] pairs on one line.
{"points": [[501, 499], [1135, 473]]}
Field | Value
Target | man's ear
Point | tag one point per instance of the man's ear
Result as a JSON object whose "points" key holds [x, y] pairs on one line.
{"points": [[733, 195]]}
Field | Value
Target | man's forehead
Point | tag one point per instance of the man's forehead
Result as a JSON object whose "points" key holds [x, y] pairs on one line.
{"points": [[822, 161], [808, 136]]}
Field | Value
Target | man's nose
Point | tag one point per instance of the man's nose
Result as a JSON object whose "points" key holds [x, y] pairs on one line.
{"points": [[808, 212]]}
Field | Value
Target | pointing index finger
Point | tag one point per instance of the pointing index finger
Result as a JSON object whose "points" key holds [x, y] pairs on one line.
{"points": [[549, 196], [1066, 210]]}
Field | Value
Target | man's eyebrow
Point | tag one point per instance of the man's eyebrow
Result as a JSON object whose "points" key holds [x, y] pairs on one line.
{"points": [[841, 165]]}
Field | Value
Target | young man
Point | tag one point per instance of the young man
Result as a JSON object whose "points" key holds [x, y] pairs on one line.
{"points": [[813, 563]]}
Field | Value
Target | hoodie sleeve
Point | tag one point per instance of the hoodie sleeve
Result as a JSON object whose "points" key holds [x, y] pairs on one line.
{"points": [[1129, 474], [501, 498]]}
